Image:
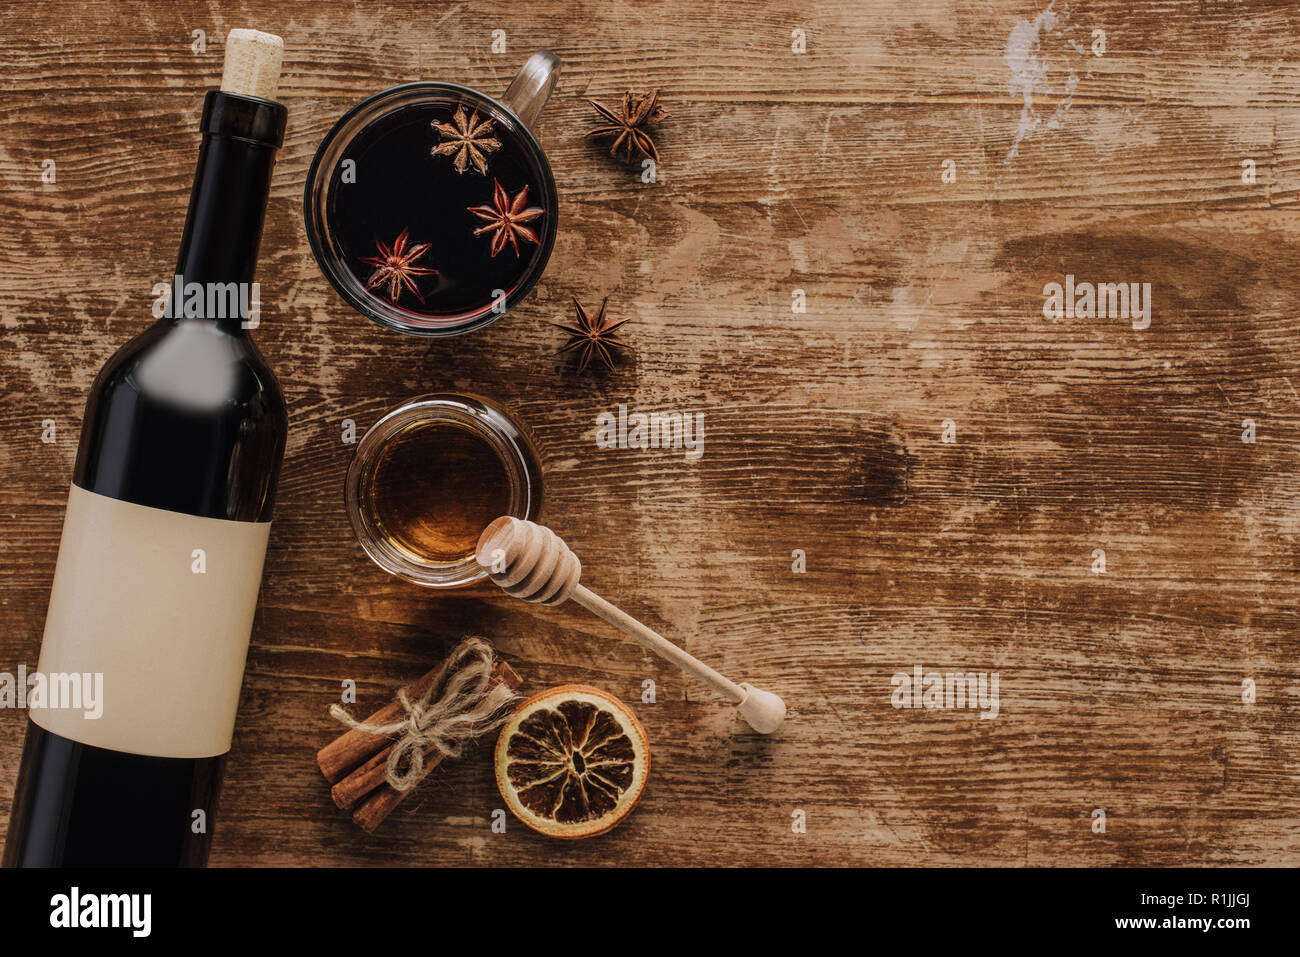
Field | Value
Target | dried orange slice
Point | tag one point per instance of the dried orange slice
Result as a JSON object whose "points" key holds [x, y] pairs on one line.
{"points": [[572, 761]]}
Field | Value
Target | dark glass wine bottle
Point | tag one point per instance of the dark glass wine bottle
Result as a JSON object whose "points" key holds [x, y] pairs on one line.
{"points": [[163, 543]]}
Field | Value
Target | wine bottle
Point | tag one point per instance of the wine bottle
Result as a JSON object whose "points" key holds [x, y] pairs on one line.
{"points": [[165, 532]]}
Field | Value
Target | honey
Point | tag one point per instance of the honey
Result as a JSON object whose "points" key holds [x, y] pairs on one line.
{"points": [[430, 475], [436, 486]]}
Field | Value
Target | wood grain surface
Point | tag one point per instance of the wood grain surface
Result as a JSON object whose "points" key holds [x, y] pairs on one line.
{"points": [[818, 171]]}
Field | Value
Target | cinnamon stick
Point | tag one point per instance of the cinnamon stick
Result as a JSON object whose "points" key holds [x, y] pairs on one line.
{"points": [[345, 753], [370, 774], [365, 779], [384, 798]]}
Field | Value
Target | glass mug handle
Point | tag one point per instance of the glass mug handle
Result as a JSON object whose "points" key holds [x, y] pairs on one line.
{"points": [[531, 88]]}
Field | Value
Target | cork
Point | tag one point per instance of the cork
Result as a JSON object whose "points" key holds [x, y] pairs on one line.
{"points": [[252, 63]]}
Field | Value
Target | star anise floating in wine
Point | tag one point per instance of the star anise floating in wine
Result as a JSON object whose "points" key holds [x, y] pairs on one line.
{"points": [[396, 267], [593, 338], [506, 218], [468, 138], [630, 127]]}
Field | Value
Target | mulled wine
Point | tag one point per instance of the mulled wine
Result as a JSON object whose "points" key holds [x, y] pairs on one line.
{"points": [[431, 208]]}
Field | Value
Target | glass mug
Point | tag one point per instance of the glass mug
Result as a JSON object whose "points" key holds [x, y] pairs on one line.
{"points": [[430, 475], [431, 208]]}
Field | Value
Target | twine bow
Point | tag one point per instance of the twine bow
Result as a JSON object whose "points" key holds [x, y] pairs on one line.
{"points": [[458, 707]]}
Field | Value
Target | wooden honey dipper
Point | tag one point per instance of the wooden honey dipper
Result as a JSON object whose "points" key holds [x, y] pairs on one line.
{"points": [[537, 566]]}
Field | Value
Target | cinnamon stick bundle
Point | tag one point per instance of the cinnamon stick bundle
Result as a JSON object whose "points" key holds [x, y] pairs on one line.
{"points": [[355, 762]]}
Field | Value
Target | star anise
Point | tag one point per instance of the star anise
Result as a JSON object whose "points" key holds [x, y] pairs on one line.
{"points": [[396, 267], [467, 138], [506, 218], [594, 338], [630, 128]]}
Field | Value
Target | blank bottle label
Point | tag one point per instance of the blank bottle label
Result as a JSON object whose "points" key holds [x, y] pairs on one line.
{"points": [[161, 604]]}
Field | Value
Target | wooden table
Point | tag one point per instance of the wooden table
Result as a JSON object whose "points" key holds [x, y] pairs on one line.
{"points": [[1120, 691]]}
